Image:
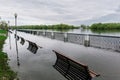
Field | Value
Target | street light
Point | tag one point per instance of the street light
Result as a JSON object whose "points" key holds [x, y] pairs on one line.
{"points": [[15, 22], [8, 25]]}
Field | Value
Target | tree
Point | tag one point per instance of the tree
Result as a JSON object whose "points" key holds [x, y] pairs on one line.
{"points": [[3, 25]]}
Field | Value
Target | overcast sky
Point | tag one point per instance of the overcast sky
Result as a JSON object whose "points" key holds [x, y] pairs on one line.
{"points": [[75, 12]]}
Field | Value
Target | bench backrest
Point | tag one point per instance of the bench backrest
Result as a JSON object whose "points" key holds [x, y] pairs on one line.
{"points": [[71, 69]]}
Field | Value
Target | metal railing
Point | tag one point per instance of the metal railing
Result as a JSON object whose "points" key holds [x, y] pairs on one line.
{"points": [[98, 41]]}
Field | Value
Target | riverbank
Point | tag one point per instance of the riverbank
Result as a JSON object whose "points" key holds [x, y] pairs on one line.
{"points": [[105, 26], [5, 72], [53, 27]]}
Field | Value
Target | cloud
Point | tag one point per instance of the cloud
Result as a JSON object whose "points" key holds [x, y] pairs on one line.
{"points": [[74, 12]]}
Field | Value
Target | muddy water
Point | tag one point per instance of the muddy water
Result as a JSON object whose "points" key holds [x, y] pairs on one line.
{"points": [[39, 66]]}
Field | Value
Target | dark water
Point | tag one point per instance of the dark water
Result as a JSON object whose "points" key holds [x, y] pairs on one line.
{"points": [[39, 66]]}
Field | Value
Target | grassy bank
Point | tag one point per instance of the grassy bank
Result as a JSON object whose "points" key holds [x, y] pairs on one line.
{"points": [[53, 27], [5, 72], [3, 31]]}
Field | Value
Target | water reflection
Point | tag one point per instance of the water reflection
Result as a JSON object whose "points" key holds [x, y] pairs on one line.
{"points": [[9, 39], [17, 38]]}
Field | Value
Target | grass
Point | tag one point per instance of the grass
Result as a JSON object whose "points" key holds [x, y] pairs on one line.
{"points": [[3, 31], [2, 38], [5, 71]]}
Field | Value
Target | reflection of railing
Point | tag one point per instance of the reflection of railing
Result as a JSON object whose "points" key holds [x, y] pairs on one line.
{"points": [[100, 41], [71, 69]]}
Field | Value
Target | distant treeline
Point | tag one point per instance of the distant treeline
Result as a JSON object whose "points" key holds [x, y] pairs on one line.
{"points": [[57, 26], [105, 26]]}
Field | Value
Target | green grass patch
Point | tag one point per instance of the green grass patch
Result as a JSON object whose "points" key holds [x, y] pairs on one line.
{"points": [[5, 71], [2, 39], [3, 31]]}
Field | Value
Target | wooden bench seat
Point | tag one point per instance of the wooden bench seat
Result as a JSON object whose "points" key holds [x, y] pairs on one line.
{"points": [[71, 69]]}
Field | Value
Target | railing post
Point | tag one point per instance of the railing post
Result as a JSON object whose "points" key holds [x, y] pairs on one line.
{"points": [[65, 37], [87, 40], [53, 35]]}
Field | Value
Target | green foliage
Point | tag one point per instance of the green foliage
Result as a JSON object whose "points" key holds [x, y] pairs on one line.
{"points": [[53, 27], [105, 31], [3, 31], [3, 25], [2, 38], [5, 72], [105, 26]]}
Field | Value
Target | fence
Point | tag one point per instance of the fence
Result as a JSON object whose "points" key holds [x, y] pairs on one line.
{"points": [[99, 41]]}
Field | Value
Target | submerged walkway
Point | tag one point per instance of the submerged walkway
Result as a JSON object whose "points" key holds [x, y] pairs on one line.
{"points": [[102, 61]]}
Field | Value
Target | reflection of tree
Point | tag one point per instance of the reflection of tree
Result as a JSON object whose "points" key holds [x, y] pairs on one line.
{"points": [[106, 31]]}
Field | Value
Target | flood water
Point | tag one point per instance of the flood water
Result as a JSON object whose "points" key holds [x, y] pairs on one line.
{"points": [[39, 65]]}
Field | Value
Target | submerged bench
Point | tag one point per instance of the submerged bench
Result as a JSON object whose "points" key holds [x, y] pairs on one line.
{"points": [[71, 69], [22, 41], [33, 47]]}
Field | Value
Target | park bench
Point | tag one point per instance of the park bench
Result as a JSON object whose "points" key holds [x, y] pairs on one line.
{"points": [[71, 69], [17, 37], [33, 47], [22, 41]]}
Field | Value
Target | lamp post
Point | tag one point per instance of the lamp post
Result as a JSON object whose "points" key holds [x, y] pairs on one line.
{"points": [[15, 22], [8, 25]]}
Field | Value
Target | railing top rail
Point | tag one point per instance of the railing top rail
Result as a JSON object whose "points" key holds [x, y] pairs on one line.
{"points": [[104, 36]]}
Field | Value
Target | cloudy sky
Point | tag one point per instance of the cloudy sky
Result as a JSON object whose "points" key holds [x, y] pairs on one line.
{"points": [[75, 12]]}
